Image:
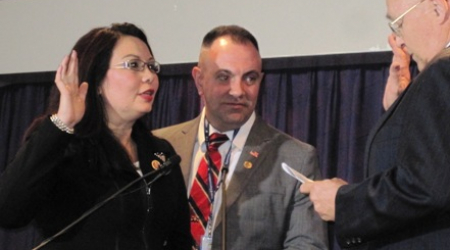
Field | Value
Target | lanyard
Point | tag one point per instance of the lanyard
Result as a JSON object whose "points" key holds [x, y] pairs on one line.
{"points": [[211, 188]]}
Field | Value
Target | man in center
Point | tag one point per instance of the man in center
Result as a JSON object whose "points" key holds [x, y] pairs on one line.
{"points": [[263, 206]]}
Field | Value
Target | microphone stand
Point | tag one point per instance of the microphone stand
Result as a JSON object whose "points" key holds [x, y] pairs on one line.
{"points": [[223, 207]]}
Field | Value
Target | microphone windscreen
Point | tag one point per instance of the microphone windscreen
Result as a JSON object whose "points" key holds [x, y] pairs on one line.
{"points": [[166, 167], [174, 160]]}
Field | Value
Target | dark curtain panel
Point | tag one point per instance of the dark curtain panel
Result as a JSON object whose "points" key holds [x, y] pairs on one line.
{"points": [[19, 104], [328, 101], [177, 98], [332, 109]]}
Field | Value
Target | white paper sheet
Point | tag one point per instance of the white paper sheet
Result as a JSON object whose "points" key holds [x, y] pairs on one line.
{"points": [[292, 172]]}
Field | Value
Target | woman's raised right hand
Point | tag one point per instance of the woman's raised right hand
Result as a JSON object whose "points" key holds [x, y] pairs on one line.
{"points": [[72, 94]]}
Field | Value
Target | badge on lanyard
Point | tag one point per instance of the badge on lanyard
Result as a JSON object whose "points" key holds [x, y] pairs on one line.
{"points": [[206, 242]]}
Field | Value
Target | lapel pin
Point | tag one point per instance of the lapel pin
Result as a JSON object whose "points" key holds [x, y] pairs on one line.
{"points": [[248, 165], [254, 154], [156, 164]]}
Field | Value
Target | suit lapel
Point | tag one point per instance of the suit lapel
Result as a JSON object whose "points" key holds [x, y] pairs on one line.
{"points": [[376, 128], [183, 142], [251, 157]]}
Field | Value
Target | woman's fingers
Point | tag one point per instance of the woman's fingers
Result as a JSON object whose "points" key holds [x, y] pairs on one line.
{"points": [[60, 72], [72, 69]]}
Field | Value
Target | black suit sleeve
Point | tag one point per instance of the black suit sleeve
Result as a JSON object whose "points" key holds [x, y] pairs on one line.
{"points": [[28, 178], [415, 188]]}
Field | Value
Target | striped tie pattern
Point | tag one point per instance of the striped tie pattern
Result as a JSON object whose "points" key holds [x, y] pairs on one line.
{"points": [[199, 200]]}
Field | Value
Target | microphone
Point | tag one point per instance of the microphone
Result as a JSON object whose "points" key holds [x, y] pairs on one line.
{"points": [[167, 166], [164, 169]]}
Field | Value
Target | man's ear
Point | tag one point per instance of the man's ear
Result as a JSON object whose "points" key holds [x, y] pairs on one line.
{"points": [[441, 9], [197, 75]]}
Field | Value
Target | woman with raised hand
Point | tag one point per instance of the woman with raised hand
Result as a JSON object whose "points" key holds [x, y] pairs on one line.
{"points": [[90, 144]]}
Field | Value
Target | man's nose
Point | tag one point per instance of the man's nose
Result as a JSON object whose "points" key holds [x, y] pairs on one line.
{"points": [[236, 87]]}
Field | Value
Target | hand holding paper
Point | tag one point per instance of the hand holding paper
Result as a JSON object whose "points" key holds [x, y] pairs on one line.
{"points": [[322, 193]]}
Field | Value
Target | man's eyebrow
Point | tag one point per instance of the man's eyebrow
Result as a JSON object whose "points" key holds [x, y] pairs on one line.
{"points": [[224, 71], [252, 72]]}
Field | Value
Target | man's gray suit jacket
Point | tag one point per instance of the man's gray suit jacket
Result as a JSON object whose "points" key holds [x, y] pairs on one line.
{"points": [[264, 207]]}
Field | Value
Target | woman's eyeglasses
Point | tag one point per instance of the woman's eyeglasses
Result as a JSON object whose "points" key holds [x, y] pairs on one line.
{"points": [[139, 65]]}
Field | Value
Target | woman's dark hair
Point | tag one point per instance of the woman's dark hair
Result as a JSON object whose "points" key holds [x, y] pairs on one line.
{"points": [[94, 51]]}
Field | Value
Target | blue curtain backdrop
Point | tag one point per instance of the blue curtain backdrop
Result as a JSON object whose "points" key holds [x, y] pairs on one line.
{"points": [[329, 101]]}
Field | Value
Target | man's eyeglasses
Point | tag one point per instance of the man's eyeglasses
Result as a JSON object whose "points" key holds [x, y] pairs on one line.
{"points": [[139, 65], [395, 25]]}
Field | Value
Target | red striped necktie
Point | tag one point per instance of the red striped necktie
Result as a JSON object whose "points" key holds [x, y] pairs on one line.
{"points": [[199, 200]]}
